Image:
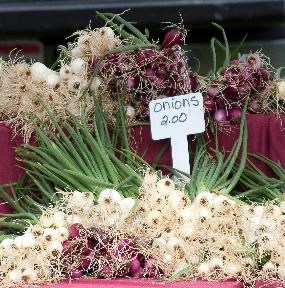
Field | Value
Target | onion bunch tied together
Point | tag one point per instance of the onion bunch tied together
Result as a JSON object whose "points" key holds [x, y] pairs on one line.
{"points": [[161, 234], [227, 92], [142, 71]]}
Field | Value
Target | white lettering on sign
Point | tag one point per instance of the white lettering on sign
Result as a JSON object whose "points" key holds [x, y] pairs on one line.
{"points": [[175, 118]]}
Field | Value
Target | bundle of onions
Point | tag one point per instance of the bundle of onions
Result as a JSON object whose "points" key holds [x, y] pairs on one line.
{"points": [[227, 92], [144, 71]]}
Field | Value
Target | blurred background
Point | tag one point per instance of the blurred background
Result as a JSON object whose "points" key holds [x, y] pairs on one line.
{"points": [[38, 27]]}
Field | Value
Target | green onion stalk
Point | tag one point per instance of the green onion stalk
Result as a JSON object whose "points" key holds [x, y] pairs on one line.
{"points": [[76, 155], [234, 176], [81, 156]]}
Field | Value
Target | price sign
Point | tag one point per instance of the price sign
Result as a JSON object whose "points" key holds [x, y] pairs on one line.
{"points": [[175, 118]]}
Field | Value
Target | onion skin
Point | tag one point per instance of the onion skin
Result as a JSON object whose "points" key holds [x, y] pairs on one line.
{"points": [[74, 231], [213, 91], [221, 115], [254, 106], [133, 82], [176, 36], [135, 266], [235, 115], [210, 105], [75, 273], [86, 263]]}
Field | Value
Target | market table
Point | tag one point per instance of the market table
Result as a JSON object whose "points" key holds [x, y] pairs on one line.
{"points": [[140, 283], [266, 135]]}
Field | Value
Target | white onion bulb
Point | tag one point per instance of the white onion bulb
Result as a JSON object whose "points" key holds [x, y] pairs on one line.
{"points": [[53, 80], [14, 276], [39, 71], [77, 66], [6, 243], [65, 72]]}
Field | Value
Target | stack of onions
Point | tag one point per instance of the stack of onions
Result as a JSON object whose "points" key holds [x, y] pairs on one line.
{"points": [[226, 93], [146, 74], [161, 234]]}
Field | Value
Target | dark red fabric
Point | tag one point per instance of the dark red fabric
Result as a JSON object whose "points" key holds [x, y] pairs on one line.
{"points": [[140, 283], [266, 135], [9, 170]]}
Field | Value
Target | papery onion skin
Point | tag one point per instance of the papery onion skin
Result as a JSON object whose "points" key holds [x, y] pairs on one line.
{"points": [[221, 115], [176, 36], [76, 273], [74, 231], [135, 266], [254, 106], [235, 115], [210, 105], [213, 90]]}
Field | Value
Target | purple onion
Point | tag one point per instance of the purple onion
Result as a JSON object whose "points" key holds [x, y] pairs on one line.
{"points": [[176, 36], [194, 83], [231, 92], [158, 81], [140, 57], [160, 72], [89, 248], [232, 73], [76, 273], [213, 90], [264, 74], [138, 274], [150, 53], [133, 82], [106, 270], [221, 115], [149, 268], [244, 90], [135, 266], [65, 245], [85, 263], [113, 58], [180, 66], [123, 250], [254, 106], [235, 115], [235, 62], [210, 105], [149, 72], [253, 61], [220, 103], [74, 231]]}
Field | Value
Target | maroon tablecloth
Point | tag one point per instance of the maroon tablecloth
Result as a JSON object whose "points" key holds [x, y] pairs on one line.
{"points": [[266, 135], [9, 169], [140, 283]]}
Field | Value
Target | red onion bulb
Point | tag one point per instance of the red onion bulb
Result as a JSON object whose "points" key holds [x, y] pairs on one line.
{"points": [[76, 273], [235, 115], [221, 115], [174, 37]]}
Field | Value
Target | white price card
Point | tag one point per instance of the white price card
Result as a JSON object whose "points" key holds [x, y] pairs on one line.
{"points": [[175, 118]]}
